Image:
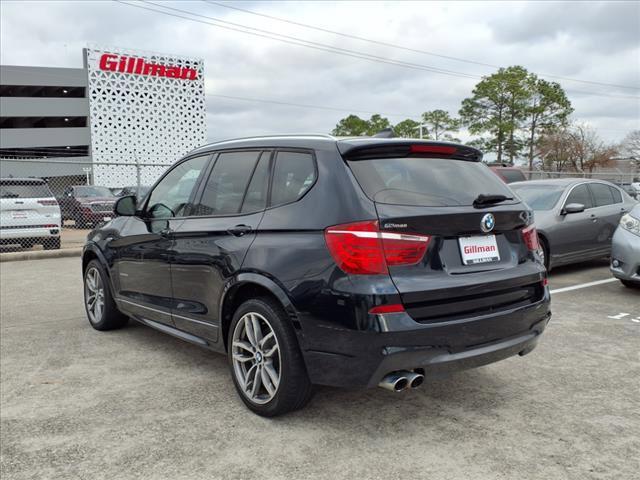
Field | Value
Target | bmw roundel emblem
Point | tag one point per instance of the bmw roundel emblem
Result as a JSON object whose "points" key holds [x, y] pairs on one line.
{"points": [[487, 223]]}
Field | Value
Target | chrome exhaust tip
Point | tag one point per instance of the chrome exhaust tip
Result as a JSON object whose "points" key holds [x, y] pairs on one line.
{"points": [[414, 379], [396, 382]]}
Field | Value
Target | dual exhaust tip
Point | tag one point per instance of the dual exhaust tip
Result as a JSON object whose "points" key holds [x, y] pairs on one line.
{"points": [[401, 380]]}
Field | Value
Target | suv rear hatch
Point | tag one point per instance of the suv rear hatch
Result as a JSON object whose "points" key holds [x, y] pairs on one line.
{"points": [[27, 203], [480, 249]]}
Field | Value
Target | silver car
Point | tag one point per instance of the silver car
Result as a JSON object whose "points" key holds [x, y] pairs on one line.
{"points": [[575, 217], [625, 249]]}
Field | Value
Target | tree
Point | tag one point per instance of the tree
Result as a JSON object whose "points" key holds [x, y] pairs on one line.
{"points": [[407, 128], [631, 145], [576, 148], [498, 107], [351, 126], [376, 124], [440, 124], [548, 109], [354, 126]]}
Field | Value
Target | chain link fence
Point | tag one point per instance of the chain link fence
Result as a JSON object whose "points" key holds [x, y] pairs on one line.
{"points": [[53, 203]]}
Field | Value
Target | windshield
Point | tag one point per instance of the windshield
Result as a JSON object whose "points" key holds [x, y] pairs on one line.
{"points": [[432, 182], [25, 190], [512, 175], [89, 191], [539, 197]]}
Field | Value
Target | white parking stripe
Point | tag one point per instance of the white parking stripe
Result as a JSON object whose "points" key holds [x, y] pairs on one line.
{"points": [[583, 285]]}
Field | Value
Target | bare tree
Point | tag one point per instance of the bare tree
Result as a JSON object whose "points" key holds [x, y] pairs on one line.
{"points": [[577, 148], [630, 146]]}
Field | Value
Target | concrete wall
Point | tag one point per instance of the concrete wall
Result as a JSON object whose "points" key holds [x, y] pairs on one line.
{"points": [[44, 107]]}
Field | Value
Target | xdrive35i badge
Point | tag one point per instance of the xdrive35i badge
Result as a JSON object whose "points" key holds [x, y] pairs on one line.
{"points": [[487, 223]]}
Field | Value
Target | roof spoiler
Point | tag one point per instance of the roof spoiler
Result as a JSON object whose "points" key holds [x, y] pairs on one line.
{"points": [[363, 150]]}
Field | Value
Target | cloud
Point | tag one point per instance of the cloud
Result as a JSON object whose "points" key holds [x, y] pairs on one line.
{"points": [[593, 41]]}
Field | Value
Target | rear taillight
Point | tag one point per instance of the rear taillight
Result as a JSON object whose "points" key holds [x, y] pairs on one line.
{"points": [[530, 237], [361, 248], [389, 308], [48, 203]]}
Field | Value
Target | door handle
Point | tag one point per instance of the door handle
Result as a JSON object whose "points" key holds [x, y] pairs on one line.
{"points": [[239, 230]]}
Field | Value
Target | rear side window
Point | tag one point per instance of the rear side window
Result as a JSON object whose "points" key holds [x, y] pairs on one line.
{"points": [[617, 196], [224, 190], [432, 182], [293, 176], [580, 194], [24, 190], [601, 194]]}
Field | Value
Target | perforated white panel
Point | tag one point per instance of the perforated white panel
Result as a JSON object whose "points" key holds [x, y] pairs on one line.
{"points": [[144, 107]]}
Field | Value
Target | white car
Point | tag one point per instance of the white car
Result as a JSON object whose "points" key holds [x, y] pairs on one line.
{"points": [[29, 213]]}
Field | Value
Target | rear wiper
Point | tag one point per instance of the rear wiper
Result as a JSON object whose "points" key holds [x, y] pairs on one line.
{"points": [[490, 199]]}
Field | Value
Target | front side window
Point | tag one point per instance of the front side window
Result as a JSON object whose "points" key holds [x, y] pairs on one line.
{"points": [[226, 185], [170, 197], [601, 194], [293, 176], [580, 194]]}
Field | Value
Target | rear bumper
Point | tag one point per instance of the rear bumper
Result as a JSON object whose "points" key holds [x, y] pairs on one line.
{"points": [[362, 359], [29, 233]]}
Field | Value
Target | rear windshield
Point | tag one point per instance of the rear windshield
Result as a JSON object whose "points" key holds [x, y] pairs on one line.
{"points": [[512, 175], [539, 197], [90, 191], [24, 190], [431, 182]]}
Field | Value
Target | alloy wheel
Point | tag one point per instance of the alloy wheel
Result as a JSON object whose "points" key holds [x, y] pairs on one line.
{"points": [[256, 359], [94, 294]]}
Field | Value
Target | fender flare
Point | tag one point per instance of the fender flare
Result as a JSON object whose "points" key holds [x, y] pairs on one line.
{"points": [[93, 248], [244, 278]]}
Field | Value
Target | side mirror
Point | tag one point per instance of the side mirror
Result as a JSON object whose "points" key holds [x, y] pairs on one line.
{"points": [[125, 206], [573, 208]]}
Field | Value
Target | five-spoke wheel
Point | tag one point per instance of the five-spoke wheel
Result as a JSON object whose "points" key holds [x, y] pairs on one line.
{"points": [[94, 294], [256, 357]]}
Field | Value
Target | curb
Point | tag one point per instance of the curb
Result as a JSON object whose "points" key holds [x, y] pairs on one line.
{"points": [[38, 254]]}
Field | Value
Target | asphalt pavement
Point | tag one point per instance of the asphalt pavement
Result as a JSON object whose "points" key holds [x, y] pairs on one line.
{"points": [[135, 403]]}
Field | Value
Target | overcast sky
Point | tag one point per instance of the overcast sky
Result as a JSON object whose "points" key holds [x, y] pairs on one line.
{"points": [[589, 41]]}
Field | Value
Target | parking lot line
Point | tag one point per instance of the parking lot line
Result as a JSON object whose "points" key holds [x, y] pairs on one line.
{"points": [[583, 285]]}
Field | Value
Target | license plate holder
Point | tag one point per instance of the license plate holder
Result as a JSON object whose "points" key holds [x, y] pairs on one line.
{"points": [[479, 249], [106, 219]]}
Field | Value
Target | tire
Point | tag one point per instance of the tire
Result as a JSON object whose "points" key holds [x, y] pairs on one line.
{"points": [[51, 243], [629, 284], [108, 317], [293, 388]]}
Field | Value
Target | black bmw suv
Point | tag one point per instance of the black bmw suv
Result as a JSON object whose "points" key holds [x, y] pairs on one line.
{"points": [[317, 260]]}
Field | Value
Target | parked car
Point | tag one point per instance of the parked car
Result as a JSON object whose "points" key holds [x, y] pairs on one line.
{"points": [[314, 260], [575, 217], [625, 249], [87, 205], [29, 213], [508, 173], [140, 191], [629, 188]]}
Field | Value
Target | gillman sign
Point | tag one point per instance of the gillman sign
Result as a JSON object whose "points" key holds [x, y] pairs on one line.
{"points": [[139, 66]]}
